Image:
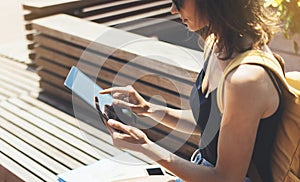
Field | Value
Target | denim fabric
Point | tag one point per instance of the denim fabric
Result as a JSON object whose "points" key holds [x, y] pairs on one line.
{"points": [[198, 159]]}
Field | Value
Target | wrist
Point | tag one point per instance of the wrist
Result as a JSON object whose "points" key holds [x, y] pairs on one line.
{"points": [[156, 152], [148, 109]]}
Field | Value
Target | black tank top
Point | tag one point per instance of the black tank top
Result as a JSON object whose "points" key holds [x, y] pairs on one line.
{"points": [[201, 107]]}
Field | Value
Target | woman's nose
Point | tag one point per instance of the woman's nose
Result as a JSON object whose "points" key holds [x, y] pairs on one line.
{"points": [[174, 10]]}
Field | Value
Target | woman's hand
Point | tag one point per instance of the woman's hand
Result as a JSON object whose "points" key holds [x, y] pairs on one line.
{"points": [[127, 97], [127, 137]]}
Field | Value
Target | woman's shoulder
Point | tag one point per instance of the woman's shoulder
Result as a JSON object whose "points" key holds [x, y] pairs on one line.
{"points": [[252, 84], [247, 74]]}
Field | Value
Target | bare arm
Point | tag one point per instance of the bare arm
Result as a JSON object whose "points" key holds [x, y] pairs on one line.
{"points": [[128, 97], [247, 99], [181, 120]]}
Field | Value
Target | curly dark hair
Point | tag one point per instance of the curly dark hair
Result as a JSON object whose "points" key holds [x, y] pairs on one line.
{"points": [[235, 22]]}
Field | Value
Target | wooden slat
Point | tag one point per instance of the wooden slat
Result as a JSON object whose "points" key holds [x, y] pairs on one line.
{"points": [[21, 70], [43, 135], [57, 92], [89, 130], [17, 169], [2, 96], [102, 61], [13, 90], [146, 15], [108, 7], [43, 8], [88, 154], [144, 89], [173, 141], [28, 150], [44, 147], [27, 162], [5, 92], [162, 131], [62, 26], [103, 152], [19, 80], [131, 11], [17, 67], [147, 90], [153, 23], [150, 90]]}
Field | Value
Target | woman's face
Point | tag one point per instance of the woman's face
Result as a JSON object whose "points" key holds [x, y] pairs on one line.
{"points": [[189, 15]]}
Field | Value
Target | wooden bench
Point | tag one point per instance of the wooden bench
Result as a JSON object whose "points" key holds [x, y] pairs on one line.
{"points": [[162, 70], [38, 141], [136, 16]]}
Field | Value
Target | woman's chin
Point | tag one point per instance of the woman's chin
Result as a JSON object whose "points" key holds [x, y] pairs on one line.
{"points": [[192, 29]]}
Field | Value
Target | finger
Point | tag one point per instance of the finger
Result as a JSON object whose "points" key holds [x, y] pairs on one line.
{"points": [[124, 90], [120, 96], [106, 91], [110, 130], [122, 104], [118, 126]]}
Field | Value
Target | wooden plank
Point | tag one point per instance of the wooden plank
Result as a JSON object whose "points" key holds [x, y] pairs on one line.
{"points": [[43, 8], [46, 161], [90, 153], [130, 11], [104, 151], [5, 92], [62, 26], [17, 66], [2, 96], [144, 89], [62, 64], [87, 128], [17, 169], [49, 72], [19, 80], [31, 46], [15, 88], [44, 147], [28, 26], [33, 4], [174, 140], [12, 91], [19, 69], [127, 68], [27, 162], [158, 135], [152, 14], [53, 90], [108, 7], [150, 24], [43, 135]]}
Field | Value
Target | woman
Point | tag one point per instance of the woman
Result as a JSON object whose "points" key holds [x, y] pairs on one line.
{"points": [[251, 100]]}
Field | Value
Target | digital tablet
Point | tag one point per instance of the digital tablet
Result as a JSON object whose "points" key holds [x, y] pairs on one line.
{"points": [[88, 90]]}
